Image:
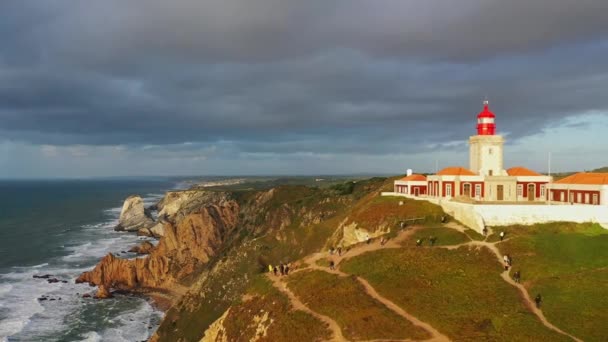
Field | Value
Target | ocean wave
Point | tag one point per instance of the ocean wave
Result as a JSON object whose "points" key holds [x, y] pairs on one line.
{"points": [[27, 318]]}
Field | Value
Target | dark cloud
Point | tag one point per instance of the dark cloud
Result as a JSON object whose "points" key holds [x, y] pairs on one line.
{"points": [[284, 77]]}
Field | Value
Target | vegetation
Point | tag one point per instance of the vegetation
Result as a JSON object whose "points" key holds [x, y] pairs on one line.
{"points": [[444, 236], [567, 263], [459, 292], [388, 211], [344, 299], [267, 314]]}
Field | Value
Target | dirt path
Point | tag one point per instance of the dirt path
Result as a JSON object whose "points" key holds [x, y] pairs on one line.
{"points": [[435, 334], [298, 305], [530, 303], [311, 264], [505, 275]]}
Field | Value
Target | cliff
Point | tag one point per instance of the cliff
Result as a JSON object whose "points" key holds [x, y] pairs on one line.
{"points": [[187, 244], [215, 243]]}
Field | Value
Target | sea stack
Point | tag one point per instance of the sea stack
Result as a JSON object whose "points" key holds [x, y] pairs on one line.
{"points": [[133, 215]]}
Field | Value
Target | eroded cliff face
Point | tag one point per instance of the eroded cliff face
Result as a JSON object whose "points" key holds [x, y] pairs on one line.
{"points": [[187, 244]]}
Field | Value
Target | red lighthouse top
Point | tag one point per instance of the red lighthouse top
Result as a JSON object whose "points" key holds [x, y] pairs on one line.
{"points": [[485, 121]]}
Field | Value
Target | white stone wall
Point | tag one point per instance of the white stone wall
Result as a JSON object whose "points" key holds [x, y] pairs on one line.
{"points": [[476, 216]]}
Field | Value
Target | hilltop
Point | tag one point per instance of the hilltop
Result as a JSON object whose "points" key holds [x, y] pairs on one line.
{"points": [[211, 266]]}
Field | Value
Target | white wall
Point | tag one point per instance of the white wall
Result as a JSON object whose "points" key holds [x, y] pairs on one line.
{"points": [[476, 216]]}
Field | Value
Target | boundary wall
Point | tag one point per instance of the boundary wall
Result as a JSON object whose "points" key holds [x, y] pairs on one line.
{"points": [[477, 216]]}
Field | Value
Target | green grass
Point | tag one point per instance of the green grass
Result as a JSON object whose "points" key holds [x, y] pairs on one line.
{"points": [[459, 292], [567, 264], [282, 323], [344, 299], [445, 236]]}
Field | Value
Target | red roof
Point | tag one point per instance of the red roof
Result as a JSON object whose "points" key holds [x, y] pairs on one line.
{"points": [[521, 171], [455, 171], [585, 178], [414, 177], [485, 113]]}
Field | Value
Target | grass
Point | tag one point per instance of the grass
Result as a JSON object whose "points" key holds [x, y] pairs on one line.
{"points": [[567, 263], [270, 309], [445, 236], [376, 211], [458, 291], [344, 299]]}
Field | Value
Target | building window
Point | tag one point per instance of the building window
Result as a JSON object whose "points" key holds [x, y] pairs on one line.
{"points": [[490, 172], [578, 198], [586, 198], [542, 190], [448, 190], [477, 190], [595, 199], [520, 190]]}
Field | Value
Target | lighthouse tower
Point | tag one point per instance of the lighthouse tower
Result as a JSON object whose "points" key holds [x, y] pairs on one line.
{"points": [[486, 148]]}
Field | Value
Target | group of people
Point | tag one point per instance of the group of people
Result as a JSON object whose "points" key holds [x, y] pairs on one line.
{"points": [[338, 250], [432, 240], [282, 269], [508, 261]]}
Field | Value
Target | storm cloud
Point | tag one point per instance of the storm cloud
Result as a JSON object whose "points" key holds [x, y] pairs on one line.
{"points": [[276, 82]]}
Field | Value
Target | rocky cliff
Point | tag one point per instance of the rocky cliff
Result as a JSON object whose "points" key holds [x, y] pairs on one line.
{"points": [[187, 244], [215, 243]]}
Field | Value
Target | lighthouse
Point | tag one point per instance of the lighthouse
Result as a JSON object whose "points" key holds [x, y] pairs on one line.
{"points": [[486, 148]]}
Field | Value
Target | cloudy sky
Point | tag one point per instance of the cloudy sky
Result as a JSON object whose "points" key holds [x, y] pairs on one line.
{"points": [[183, 87]]}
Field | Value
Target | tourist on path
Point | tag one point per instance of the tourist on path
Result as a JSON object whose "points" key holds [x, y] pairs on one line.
{"points": [[282, 269], [276, 270], [432, 240], [538, 300], [419, 242], [484, 231], [331, 265], [339, 251], [270, 268], [517, 276], [368, 240], [502, 235], [286, 269]]}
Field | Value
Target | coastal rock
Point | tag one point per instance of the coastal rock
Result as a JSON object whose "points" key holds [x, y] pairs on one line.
{"points": [[186, 245], [144, 232], [158, 230], [133, 216], [145, 247], [103, 292]]}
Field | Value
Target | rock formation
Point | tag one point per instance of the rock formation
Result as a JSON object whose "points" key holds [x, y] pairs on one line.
{"points": [[186, 244], [145, 247], [133, 215], [103, 293]]}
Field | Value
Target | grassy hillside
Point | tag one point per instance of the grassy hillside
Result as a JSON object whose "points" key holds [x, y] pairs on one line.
{"points": [[343, 298], [567, 264], [459, 291]]}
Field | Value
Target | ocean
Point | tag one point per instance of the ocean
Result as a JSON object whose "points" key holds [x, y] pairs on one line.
{"points": [[63, 228]]}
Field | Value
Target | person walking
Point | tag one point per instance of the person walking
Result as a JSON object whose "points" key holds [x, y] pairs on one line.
{"points": [[270, 268], [517, 276], [331, 265], [340, 251], [276, 270], [502, 235], [287, 269], [282, 269], [538, 300], [484, 231], [432, 240], [368, 240], [419, 242]]}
